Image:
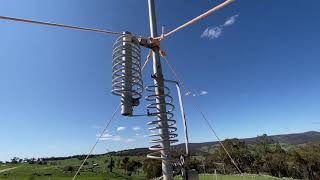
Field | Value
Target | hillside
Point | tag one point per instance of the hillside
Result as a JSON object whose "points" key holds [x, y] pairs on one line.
{"points": [[133, 164], [289, 139]]}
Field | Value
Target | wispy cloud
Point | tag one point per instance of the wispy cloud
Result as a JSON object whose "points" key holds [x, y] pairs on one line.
{"points": [[110, 137], [231, 20], [121, 128], [105, 136], [215, 32], [194, 94], [203, 92], [136, 128], [212, 32]]}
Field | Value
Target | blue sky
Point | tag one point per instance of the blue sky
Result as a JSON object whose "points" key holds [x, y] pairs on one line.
{"points": [[253, 67]]}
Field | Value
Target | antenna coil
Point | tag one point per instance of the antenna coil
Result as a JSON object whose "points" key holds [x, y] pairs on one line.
{"points": [[154, 111], [126, 72]]}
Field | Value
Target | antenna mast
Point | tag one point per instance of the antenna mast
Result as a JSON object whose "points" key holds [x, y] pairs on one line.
{"points": [[161, 107]]}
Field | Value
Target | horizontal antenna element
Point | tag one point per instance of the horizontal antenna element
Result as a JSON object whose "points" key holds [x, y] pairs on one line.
{"points": [[227, 2], [59, 25]]}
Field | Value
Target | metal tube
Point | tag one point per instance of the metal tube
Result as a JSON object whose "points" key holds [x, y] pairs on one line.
{"points": [[158, 81], [126, 96], [183, 116]]}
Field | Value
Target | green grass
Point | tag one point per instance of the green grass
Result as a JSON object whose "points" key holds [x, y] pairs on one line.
{"points": [[56, 170], [5, 166], [231, 177]]}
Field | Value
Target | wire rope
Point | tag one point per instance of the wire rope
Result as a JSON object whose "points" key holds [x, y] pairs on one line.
{"points": [[106, 127], [98, 139], [59, 25], [195, 105]]}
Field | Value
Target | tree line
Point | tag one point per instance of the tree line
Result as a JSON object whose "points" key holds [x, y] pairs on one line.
{"points": [[263, 157]]}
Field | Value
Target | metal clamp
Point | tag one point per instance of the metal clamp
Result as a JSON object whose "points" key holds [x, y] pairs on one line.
{"points": [[150, 43]]}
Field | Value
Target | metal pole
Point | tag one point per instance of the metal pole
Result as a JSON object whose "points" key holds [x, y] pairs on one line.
{"points": [[126, 96], [159, 91]]}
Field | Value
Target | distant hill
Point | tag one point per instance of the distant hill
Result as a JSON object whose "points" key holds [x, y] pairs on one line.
{"points": [[290, 139], [296, 138]]}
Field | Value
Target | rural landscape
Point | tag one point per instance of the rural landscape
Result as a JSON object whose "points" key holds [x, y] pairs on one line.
{"points": [[159, 90], [294, 156]]}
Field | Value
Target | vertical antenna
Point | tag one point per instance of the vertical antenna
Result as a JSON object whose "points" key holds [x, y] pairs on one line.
{"points": [[126, 96], [161, 108]]}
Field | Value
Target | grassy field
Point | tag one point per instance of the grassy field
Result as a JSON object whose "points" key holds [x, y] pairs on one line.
{"points": [[59, 170], [229, 177], [5, 166]]}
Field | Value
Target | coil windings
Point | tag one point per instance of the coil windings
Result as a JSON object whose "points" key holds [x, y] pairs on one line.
{"points": [[126, 72], [153, 110]]}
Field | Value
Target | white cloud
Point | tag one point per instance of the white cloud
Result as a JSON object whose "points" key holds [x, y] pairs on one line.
{"points": [[110, 137], [215, 32], [121, 128], [212, 33], [231, 20], [203, 92], [136, 128], [105, 136]]}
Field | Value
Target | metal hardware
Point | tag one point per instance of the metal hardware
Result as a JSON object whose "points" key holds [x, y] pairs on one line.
{"points": [[150, 43], [153, 110], [183, 116], [126, 72], [164, 125]]}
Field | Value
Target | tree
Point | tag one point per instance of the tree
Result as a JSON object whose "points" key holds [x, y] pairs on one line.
{"points": [[308, 159], [261, 149], [111, 164], [193, 163], [152, 168], [134, 165], [118, 163], [240, 153], [125, 161], [69, 168], [15, 160], [276, 162], [32, 161]]}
